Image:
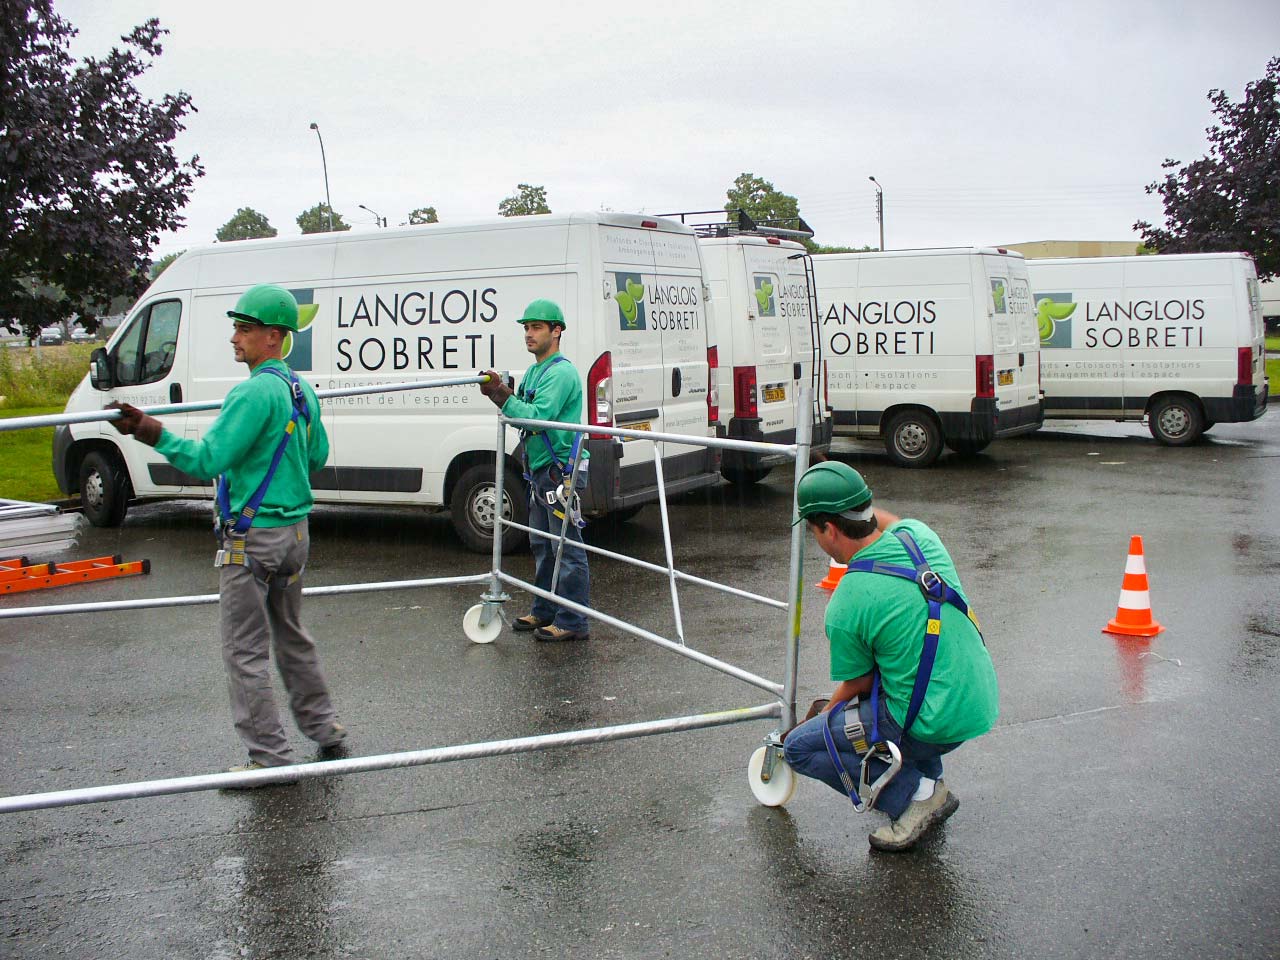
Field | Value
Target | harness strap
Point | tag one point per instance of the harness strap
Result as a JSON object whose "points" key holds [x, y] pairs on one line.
{"points": [[299, 411]]}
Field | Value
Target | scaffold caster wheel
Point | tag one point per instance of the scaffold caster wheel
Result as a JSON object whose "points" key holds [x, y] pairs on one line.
{"points": [[477, 632], [781, 786]]}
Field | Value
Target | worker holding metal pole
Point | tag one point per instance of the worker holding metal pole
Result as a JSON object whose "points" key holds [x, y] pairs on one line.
{"points": [[556, 469], [262, 448], [914, 679]]}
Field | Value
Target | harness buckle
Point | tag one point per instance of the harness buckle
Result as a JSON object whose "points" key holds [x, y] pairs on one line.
{"points": [[932, 585], [869, 790]]}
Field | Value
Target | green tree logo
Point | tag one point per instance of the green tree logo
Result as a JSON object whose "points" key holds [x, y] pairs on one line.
{"points": [[997, 295], [630, 297], [764, 295], [296, 348], [1053, 312]]}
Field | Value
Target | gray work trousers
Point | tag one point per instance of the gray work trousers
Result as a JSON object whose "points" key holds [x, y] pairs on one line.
{"points": [[261, 606]]}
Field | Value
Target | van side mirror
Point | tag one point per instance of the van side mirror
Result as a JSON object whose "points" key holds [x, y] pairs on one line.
{"points": [[100, 370]]}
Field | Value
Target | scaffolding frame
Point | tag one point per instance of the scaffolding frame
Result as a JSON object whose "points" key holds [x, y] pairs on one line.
{"points": [[767, 760]]}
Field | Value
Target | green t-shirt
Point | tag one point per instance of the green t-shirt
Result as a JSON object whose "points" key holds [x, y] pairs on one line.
{"points": [[242, 441], [557, 395], [877, 621]]}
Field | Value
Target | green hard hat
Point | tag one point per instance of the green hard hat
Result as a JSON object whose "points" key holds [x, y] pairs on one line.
{"points": [[548, 311], [268, 305], [832, 487]]}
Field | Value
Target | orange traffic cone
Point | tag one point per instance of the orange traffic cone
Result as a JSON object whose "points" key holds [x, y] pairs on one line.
{"points": [[1133, 615], [834, 572]]}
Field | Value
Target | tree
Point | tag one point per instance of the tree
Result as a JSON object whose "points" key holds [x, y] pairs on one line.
{"points": [[316, 220], [1229, 199], [88, 175], [760, 201], [162, 264], [819, 248], [423, 215], [246, 224], [527, 201]]}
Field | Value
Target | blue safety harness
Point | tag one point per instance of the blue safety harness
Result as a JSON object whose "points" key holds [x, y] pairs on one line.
{"points": [[527, 394], [936, 592], [222, 524]]}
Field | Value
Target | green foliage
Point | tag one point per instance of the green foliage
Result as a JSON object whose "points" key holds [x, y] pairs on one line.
{"points": [[423, 215], [316, 220], [33, 378], [26, 459], [528, 200], [819, 248], [759, 199], [246, 224], [1228, 200], [88, 175], [162, 264]]}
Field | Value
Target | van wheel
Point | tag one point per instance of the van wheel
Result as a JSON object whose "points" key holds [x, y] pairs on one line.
{"points": [[968, 448], [104, 489], [913, 438], [1176, 420], [473, 508], [744, 476]]}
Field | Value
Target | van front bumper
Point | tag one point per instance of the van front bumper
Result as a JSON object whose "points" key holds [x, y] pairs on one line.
{"points": [[748, 428]]}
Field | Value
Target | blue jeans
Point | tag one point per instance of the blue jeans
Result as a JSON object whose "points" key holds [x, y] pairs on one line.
{"points": [[575, 579], [806, 753]]}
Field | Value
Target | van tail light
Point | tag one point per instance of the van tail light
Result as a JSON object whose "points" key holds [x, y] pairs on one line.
{"points": [[744, 392], [985, 370], [1244, 367], [713, 396], [600, 394]]}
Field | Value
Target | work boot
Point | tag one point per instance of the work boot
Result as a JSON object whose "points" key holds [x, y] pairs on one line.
{"points": [[248, 768], [528, 622], [915, 821], [335, 747], [552, 632]]}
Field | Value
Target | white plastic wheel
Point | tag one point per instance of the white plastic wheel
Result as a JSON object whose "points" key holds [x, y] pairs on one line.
{"points": [[477, 633], [782, 783]]}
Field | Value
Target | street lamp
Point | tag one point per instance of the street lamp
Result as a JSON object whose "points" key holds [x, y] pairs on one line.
{"points": [[325, 165], [879, 209], [377, 220]]}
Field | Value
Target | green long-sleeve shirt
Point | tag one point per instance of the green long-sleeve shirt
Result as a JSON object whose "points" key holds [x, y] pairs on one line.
{"points": [[242, 441], [557, 395]]}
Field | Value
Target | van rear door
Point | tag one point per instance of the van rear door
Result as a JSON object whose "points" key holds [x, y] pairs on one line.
{"points": [[634, 344], [1016, 339], [777, 297]]}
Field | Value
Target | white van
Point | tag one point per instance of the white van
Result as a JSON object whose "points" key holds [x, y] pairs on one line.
{"points": [[416, 303], [1177, 339], [926, 347], [762, 318]]}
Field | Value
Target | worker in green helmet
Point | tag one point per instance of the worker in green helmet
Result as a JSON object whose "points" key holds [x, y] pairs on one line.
{"points": [[262, 448], [907, 656], [550, 390]]}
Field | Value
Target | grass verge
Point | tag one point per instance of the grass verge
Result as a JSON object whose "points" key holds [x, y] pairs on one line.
{"points": [[26, 459]]}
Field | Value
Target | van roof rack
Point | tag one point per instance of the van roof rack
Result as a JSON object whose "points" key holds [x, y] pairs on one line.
{"points": [[739, 223]]}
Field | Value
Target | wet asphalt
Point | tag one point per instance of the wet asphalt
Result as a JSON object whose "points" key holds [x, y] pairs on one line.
{"points": [[1125, 805]]}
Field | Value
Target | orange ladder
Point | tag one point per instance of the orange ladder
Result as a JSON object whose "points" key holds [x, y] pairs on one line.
{"points": [[19, 575]]}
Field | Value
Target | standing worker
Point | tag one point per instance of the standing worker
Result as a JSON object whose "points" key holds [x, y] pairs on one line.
{"points": [[263, 446], [911, 666], [550, 390]]}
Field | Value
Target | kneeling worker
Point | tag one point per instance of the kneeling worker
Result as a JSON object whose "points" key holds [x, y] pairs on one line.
{"points": [[263, 446], [910, 663], [550, 390]]}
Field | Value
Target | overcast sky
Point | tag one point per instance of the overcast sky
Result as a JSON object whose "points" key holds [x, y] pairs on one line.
{"points": [[985, 122]]}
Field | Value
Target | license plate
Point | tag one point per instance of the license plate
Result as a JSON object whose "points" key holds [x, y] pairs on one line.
{"points": [[1006, 378], [639, 425], [775, 394]]}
